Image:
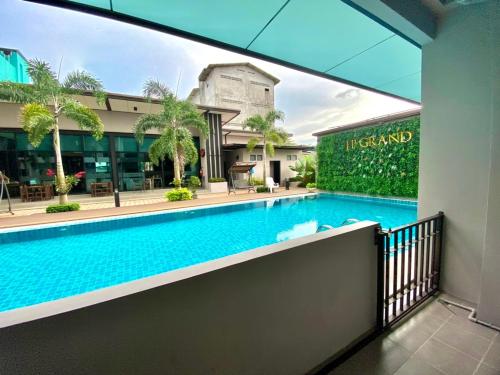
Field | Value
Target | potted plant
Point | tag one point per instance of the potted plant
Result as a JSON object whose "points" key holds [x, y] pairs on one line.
{"points": [[194, 183], [311, 187], [217, 185]]}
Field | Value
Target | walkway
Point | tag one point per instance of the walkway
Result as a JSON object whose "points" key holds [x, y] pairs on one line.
{"points": [[91, 208], [437, 340]]}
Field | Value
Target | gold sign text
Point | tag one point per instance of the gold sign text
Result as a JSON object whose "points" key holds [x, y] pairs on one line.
{"points": [[379, 141]]}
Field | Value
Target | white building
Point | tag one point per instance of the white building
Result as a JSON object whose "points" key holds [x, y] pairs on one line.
{"points": [[250, 90]]}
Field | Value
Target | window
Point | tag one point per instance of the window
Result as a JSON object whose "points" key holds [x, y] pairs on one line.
{"points": [[259, 157], [255, 157], [291, 157]]}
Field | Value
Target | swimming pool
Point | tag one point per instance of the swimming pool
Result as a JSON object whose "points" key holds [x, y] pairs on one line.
{"points": [[49, 263]]}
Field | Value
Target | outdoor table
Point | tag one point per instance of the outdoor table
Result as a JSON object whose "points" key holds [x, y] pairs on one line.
{"points": [[35, 193]]}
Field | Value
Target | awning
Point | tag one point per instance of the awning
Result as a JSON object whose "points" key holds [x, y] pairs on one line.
{"points": [[329, 38]]}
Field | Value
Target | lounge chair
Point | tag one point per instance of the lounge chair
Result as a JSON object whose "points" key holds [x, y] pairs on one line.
{"points": [[270, 184]]}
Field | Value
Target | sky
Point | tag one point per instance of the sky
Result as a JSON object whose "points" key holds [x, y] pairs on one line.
{"points": [[124, 56]]}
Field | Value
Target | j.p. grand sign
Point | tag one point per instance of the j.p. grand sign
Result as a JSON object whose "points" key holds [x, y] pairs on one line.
{"points": [[379, 140]]}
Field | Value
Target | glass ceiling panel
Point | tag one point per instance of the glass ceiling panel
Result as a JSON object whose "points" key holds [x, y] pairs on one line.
{"points": [[385, 62], [224, 20], [319, 34], [325, 36]]}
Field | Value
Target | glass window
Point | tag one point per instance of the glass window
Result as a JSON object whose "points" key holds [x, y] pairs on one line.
{"points": [[22, 143], [97, 168], [259, 157], [147, 142], [289, 157], [7, 141], [253, 157], [126, 144], [90, 144], [71, 143]]}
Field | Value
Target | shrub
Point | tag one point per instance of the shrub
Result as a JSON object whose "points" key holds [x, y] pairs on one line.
{"points": [[194, 182], [54, 208], [262, 189], [216, 179], [311, 185], [176, 182], [256, 181], [181, 194], [295, 179]]}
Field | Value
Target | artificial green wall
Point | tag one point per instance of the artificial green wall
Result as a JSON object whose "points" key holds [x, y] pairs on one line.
{"points": [[374, 160]]}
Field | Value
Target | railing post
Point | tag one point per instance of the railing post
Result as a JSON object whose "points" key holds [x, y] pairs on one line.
{"points": [[380, 241], [440, 244]]}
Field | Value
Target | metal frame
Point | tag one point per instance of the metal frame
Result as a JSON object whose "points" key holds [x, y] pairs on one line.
{"points": [[3, 186], [409, 265]]}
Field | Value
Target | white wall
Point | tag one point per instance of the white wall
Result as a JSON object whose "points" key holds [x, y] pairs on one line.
{"points": [[283, 312], [458, 157]]}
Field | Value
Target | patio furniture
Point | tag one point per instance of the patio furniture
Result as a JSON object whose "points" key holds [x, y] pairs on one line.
{"points": [[240, 167], [48, 191], [271, 185], [148, 184], [157, 182], [33, 193], [133, 184], [101, 189]]}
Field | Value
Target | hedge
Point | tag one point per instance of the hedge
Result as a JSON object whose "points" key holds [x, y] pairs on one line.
{"points": [[181, 194], [54, 208], [379, 167]]}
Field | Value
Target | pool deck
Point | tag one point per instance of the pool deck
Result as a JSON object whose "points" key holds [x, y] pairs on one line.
{"points": [[88, 212]]}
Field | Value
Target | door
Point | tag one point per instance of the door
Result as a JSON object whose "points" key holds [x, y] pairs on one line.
{"points": [[275, 171]]}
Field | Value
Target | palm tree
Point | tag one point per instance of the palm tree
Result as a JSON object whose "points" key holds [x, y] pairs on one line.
{"points": [[270, 134], [173, 122], [45, 101]]}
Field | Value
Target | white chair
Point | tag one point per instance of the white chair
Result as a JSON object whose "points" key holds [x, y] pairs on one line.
{"points": [[270, 184]]}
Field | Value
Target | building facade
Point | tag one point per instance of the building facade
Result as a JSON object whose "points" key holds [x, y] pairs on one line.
{"points": [[116, 158], [250, 90], [13, 66]]}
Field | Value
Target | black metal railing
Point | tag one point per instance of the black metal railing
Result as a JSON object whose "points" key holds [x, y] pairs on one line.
{"points": [[409, 262]]}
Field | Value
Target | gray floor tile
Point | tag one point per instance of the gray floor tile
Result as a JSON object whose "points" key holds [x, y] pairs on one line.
{"points": [[486, 370], [446, 359], [380, 357], [415, 366], [435, 310], [465, 324], [470, 343], [492, 358], [412, 334]]}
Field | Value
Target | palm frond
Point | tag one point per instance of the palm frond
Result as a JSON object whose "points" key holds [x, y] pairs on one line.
{"points": [[192, 118], [256, 123], [163, 146], [252, 143], [37, 121], [45, 84], [146, 122], [85, 117], [154, 89], [17, 92], [269, 148], [80, 81], [275, 115]]}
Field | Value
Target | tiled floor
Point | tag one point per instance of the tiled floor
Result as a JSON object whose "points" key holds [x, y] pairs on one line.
{"points": [[436, 340]]}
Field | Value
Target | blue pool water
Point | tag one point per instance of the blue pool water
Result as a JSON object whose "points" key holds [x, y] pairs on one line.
{"points": [[46, 264]]}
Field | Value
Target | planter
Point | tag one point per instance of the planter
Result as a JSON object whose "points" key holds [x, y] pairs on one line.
{"points": [[294, 184], [217, 187]]}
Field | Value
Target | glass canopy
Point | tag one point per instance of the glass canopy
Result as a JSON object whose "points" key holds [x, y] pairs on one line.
{"points": [[324, 37]]}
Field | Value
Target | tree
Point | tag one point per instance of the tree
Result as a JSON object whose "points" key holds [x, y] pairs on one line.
{"points": [[173, 122], [270, 134], [46, 100], [306, 169]]}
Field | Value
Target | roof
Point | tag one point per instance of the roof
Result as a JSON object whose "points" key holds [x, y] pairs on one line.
{"points": [[139, 104], [193, 92], [337, 40], [371, 122], [235, 146], [4, 49], [206, 72]]}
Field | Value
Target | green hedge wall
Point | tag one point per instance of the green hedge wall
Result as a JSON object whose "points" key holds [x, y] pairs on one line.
{"points": [[373, 163]]}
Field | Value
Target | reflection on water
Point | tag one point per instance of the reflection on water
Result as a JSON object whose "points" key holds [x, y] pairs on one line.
{"points": [[298, 230]]}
